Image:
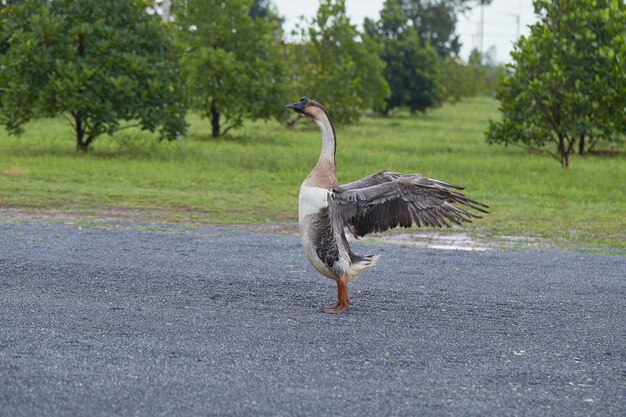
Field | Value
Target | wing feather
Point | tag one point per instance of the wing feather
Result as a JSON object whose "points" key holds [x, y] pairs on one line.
{"points": [[387, 199], [375, 179]]}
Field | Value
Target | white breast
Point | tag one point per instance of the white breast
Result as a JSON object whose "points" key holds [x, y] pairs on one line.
{"points": [[312, 200]]}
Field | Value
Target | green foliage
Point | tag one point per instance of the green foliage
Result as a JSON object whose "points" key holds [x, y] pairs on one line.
{"points": [[486, 70], [233, 61], [456, 79], [263, 9], [435, 22], [96, 63], [461, 80], [567, 82], [338, 66], [412, 69]]}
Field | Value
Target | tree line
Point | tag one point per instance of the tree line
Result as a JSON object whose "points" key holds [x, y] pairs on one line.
{"points": [[107, 66]]}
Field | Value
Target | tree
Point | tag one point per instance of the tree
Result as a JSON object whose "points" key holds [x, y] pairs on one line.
{"points": [[233, 62], [412, 69], [491, 73], [467, 80], [338, 66], [566, 84], [478, 73], [456, 80], [95, 63], [435, 21]]}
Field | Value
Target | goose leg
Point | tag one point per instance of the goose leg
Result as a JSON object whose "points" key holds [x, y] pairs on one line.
{"points": [[342, 298]]}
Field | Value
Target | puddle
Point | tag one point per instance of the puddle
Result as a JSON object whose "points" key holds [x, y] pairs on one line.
{"points": [[454, 241]]}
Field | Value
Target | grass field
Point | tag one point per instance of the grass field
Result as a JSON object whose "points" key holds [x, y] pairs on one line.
{"points": [[253, 175]]}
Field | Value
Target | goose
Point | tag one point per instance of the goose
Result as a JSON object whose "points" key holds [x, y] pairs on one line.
{"points": [[375, 203]]}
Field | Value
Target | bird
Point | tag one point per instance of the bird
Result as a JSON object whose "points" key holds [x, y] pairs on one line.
{"points": [[382, 201]]}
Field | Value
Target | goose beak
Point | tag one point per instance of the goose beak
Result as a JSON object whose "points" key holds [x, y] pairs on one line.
{"points": [[297, 107]]}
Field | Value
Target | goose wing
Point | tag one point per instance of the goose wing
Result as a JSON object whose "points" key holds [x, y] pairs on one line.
{"points": [[386, 200]]}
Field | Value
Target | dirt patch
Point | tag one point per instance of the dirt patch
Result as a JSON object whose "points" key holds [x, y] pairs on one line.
{"points": [[421, 238], [13, 172], [105, 215]]}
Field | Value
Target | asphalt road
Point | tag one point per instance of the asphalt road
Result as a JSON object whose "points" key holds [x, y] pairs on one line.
{"points": [[226, 322]]}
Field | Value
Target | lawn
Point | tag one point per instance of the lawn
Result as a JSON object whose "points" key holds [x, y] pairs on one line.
{"points": [[252, 176]]}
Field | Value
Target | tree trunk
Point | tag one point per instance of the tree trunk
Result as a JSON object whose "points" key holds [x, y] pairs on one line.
{"points": [[581, 145], [81, 146], [564, 151], [83, 140], [81, 143], [215, 121], [590, 144]]}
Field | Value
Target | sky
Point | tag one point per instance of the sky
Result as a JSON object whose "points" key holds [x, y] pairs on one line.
{"points": [[500, 18]]}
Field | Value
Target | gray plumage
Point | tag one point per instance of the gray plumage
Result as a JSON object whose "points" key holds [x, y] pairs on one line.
{"points": [[387, 199]]}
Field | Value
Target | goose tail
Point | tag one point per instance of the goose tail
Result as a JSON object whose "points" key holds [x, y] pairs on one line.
{"points": [[360, 265]]}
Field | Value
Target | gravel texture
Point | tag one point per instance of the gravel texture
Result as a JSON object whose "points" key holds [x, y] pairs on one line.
{"points": [[148, 320]]}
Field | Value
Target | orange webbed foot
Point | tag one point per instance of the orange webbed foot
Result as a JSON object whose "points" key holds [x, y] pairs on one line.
{"points": [[339, 308]]}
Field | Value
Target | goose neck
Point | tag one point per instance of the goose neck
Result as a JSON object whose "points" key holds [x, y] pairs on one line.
{"points": [[329, 140]]}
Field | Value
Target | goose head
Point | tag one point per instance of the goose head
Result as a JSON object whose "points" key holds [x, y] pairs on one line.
{"points": [[314, 111], [308, 108]]}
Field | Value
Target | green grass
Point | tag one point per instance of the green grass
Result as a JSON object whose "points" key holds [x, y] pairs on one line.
{"points": [[253, 175]]}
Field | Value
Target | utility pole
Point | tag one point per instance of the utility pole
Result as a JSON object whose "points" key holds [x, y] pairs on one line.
{"points": [[517, 20], [482, 29], [166, 7]]}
